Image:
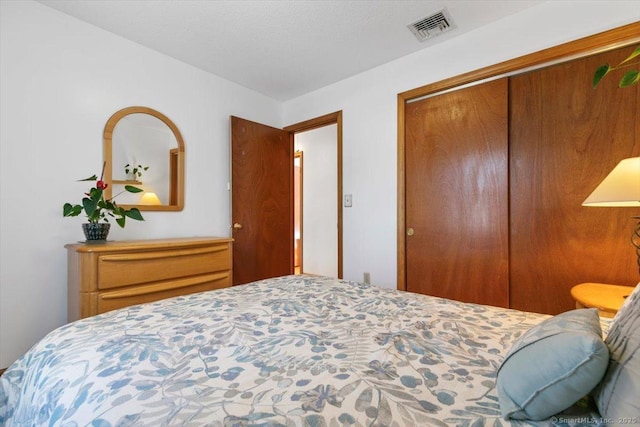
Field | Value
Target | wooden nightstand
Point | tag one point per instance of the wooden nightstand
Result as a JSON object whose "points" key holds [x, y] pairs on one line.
{"points": [[606, 298]]}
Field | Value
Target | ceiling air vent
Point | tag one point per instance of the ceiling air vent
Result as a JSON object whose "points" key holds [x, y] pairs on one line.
{"points": [[432, 25]]}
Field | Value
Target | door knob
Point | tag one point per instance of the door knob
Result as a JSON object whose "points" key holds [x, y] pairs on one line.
{"points": [[237, 226], [410, 231]]}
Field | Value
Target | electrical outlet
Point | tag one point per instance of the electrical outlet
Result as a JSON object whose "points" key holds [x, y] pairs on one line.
{"points": [[348, 200], [367, 277]]}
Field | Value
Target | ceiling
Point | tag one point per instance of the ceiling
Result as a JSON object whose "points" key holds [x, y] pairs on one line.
{"points": [[285, 48]]}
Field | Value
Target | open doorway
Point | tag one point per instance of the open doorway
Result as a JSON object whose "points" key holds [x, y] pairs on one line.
{"points": [[316, 201], [298, 173], [317, 242], [263, 216]]}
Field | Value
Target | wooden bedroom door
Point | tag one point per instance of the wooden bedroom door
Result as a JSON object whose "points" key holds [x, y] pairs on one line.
{"points": [[262, 198], [456, 159]]}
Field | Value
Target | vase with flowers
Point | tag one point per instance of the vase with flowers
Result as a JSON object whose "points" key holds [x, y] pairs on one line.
{"points": [[134, 173], [98, 209]]}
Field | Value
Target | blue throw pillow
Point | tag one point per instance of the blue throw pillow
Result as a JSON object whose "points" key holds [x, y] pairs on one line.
{"points": [[552, 366]]}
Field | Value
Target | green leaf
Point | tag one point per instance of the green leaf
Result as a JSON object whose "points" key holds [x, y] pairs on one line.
{"points": [[633, 55], [132, 189], [117, 210], [95, 194], [110, 205], [70, 210], [134, 213], [91, 178], [121, 221], [600, 73], [89, 206], [629, 79]]}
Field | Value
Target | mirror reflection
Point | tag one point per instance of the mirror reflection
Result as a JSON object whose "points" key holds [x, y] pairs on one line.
{"points": [[145, 149]]}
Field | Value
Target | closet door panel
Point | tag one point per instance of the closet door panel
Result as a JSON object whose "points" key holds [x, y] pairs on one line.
{"points": [[456, 194], [565, 137]]}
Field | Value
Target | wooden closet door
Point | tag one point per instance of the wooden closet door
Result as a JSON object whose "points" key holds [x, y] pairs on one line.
{"points": [[456, 194], [565, 137]]}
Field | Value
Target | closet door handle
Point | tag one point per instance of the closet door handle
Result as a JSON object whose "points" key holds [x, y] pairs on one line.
{"points": [[237, 226], [410, 231]]}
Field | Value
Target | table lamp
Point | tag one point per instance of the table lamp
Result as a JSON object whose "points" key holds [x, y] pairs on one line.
{"points": [[621, 188], [150, 198]]}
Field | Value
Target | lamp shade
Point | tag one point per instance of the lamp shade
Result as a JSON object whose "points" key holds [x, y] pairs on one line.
{"points": [[621, 188], [150, 198]]}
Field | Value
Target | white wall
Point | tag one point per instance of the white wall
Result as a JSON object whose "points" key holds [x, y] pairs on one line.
{"points": [[319, 204], [60, 81], [369, 104]]}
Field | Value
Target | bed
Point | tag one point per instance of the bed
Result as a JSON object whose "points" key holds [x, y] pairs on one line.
{"points": [[288, 351]]}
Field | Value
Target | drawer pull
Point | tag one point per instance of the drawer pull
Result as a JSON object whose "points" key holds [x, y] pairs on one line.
{"points": [[162, 254], [159, 287]]}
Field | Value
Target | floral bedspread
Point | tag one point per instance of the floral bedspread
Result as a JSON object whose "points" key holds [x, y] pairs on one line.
{"points": [[289, 351]]}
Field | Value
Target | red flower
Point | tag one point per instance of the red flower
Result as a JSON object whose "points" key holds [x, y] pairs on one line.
{"points": [[101, 185]]}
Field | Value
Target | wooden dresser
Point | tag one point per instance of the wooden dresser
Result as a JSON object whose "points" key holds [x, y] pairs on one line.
{"points": [[103, 277]]}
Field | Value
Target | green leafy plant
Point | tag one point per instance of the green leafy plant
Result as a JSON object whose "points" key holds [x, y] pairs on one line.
{"points": [[136, 171], [97, 208], [628, 79]]}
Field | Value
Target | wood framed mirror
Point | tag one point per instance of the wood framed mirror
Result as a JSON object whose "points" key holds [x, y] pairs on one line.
{"points": [[144, 148]]}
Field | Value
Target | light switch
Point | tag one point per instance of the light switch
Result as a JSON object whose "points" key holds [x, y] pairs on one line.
{"points": [[348, 200]]}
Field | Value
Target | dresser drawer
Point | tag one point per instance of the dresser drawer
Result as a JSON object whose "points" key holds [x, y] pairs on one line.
{"points": [[118, 270], [111, 300]]}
